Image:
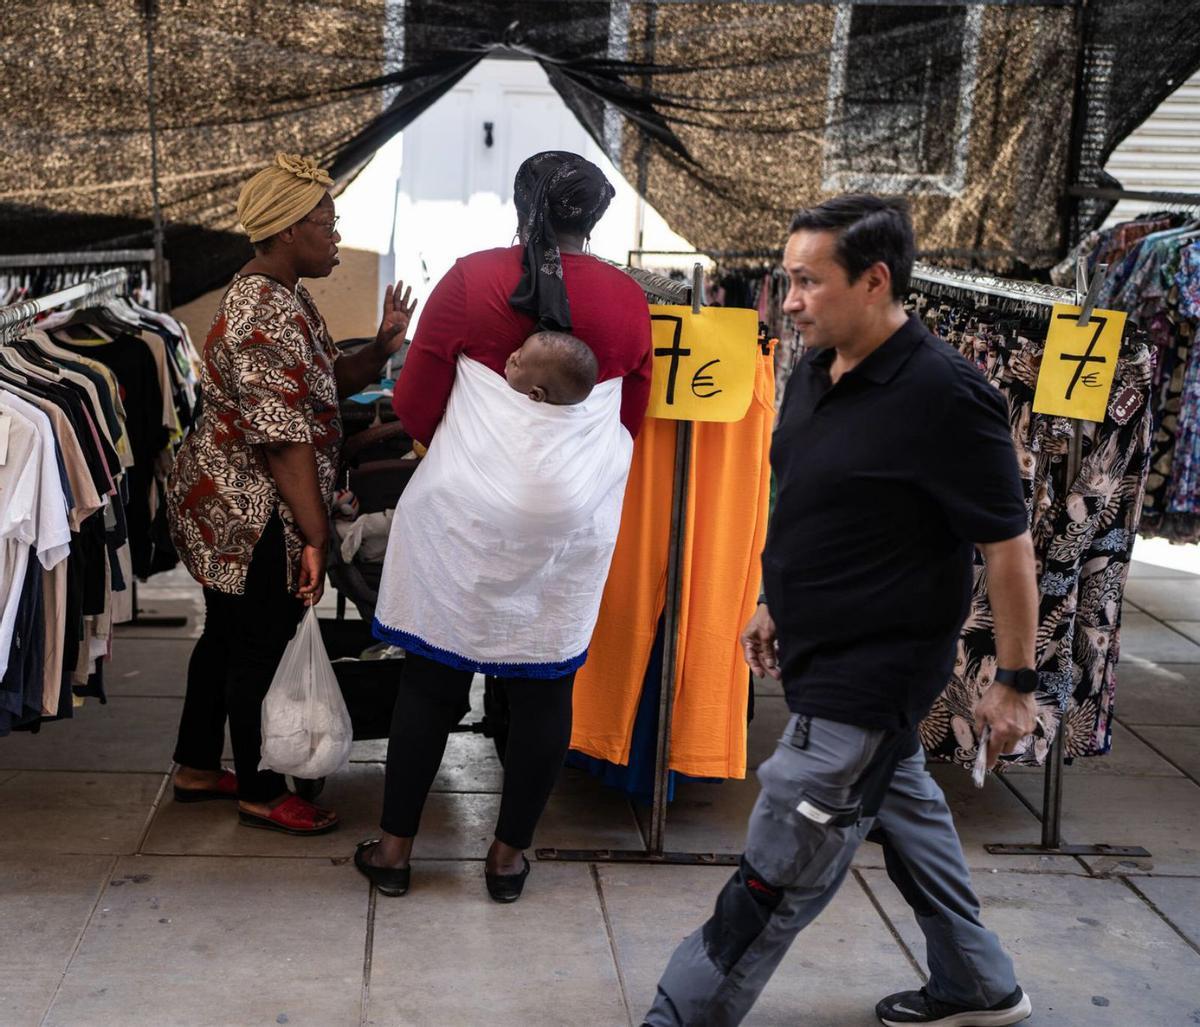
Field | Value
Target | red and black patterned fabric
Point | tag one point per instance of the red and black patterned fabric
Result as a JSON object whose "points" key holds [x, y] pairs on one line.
{"points": [[268, 377]]}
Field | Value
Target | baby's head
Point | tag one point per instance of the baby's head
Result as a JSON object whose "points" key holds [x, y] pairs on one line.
{"points": [[553, 367]]}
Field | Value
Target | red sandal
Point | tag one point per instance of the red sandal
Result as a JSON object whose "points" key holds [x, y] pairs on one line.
{"points": [[226, 789], [292, 816]]}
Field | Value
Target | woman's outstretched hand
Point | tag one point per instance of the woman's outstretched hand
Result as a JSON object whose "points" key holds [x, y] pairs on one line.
{"points": [[397, 312]]}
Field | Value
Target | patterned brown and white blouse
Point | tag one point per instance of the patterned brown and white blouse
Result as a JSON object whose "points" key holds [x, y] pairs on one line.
{"points": [[268, 377]]}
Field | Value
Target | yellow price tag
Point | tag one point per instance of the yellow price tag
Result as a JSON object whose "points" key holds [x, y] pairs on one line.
{"points": [[1078, 366], [703, 363]]}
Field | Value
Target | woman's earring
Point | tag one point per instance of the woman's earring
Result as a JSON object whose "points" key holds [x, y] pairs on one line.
{"points": [[515, 239], [587, 244]]}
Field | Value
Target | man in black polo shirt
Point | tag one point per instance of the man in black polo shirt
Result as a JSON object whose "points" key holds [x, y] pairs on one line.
{"points": [[894, 464]]}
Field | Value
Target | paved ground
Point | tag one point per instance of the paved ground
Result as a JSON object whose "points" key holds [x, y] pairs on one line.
{"points": [[121, 908]]}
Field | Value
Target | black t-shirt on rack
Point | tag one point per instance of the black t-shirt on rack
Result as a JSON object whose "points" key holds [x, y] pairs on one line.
{"points": [[885, 481], [130, 360]]}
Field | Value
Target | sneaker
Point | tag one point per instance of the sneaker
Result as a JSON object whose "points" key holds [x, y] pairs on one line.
{"points": [[908, 1007]]}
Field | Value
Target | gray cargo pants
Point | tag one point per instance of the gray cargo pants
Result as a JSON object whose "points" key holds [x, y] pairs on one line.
{"points": [[803, 833]]}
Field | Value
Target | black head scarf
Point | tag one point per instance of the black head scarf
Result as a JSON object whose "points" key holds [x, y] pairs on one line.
{"points": [[554, 188]]}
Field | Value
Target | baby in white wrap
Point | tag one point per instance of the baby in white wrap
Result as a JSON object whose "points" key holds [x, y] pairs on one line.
{"points": [[553, 367]]}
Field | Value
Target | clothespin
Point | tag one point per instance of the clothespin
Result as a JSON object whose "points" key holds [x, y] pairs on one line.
{"points": [[697, 287], [1092, 292]]}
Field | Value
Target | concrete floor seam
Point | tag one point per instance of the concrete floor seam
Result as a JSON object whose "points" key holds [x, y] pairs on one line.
{"points": [[594, 870], [1157, 751], [364, 1002], [1125, 878], [87, 923], [154, 808], [887, 921]]}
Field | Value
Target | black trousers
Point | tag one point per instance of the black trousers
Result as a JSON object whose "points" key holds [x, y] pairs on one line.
{"points": [[433, 698], [232, 666]]}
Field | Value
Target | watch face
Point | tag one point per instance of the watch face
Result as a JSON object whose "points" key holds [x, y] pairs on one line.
{"points": [[1027, 680]]}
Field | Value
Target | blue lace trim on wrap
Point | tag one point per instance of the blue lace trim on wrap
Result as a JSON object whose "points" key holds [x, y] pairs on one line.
{"points": [[537, 671]]}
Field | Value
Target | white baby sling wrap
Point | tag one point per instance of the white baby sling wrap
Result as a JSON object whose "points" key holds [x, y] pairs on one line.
{"points": [[502, 540]]}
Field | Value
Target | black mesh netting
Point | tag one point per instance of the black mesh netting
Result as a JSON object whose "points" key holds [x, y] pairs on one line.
{"points": [[727, 116]]}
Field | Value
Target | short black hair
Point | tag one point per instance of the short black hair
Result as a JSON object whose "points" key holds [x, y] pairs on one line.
{"points": [[870, 230], [576, 367]]}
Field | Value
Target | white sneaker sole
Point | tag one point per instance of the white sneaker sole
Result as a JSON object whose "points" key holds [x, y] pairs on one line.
{"points": [[983, 1018]]}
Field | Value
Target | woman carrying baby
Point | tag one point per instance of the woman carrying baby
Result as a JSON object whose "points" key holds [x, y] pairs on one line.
{"points": [[501, 542]]}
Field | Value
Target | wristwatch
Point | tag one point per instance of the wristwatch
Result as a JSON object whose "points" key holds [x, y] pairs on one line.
{"points": [[1024, 680]]}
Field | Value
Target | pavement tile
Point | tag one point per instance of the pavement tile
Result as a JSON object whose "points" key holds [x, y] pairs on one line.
{"points": [[26, 999], [1167, 598], [220, 942], [1158, 693], [177, 605], [212, 828], [1190, 628], [583, 814], [580, 814], [1129, 756], [469, 765], [1139, 570], [832, 976], [1181, 745], [124, 734], [446, 954], [1145, 637], [1178, 898], [44, 906], [1088, 951], [1159, 814], [149, 666], [771, 716], [983, 816], [707, 816], [52, 812], [768, 686]]}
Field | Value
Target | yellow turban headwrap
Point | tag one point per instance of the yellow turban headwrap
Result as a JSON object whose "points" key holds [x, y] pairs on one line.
{"points": [[280, 195]]}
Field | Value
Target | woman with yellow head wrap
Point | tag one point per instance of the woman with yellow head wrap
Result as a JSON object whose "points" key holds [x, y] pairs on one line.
{"points": [[251, 489]]}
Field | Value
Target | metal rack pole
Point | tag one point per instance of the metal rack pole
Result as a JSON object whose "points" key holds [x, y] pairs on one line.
{"points": [[161, 299]]}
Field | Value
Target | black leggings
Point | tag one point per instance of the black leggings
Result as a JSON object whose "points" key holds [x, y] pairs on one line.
{"points": [[433, 698], [232, 666]]}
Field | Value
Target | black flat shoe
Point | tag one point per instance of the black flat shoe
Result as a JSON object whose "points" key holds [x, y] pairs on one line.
{"points": [[388, 880], [506, 887]]}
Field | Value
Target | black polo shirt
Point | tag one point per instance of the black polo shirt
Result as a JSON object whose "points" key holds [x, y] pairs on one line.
{"points": [[884, 482]]}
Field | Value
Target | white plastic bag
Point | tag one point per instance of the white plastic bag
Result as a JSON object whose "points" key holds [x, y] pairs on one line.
{"points": [[306, 730]]}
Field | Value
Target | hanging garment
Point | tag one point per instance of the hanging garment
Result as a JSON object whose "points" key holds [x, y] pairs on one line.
{"points": [[1083, 533], [501, 541], [1152, 278], [131, 361], [726, 522]]}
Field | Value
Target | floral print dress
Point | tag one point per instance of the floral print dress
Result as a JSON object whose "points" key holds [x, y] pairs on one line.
{"points": [[1083, 533]]}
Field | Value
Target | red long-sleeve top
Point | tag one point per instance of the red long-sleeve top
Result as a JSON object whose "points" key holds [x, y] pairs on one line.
{"points": [[468, 312]]}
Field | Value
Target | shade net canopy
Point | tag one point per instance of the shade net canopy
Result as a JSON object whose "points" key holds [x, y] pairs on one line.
{"points": [[726, 116]]}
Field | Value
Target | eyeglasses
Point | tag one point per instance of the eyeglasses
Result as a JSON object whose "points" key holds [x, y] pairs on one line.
{"points": [[329, 227]]}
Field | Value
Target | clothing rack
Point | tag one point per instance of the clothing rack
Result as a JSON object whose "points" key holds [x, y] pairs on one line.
{"points": [[20, 315], [1036, 294], [105, 285], [1026, 292], [1169, 198], [656, 285], [81, 258], [157, 273], [655, 850]]}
